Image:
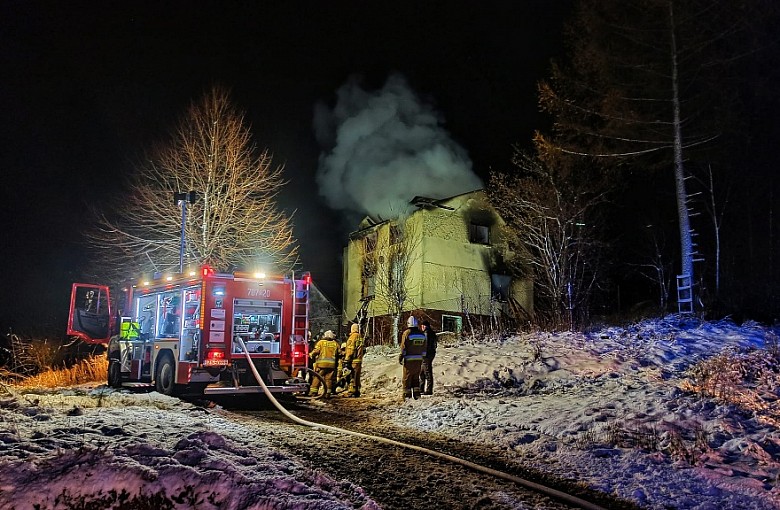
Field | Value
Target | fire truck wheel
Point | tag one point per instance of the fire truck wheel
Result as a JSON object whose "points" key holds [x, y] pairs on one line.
{"points": [[114, 373], [164, 381]]}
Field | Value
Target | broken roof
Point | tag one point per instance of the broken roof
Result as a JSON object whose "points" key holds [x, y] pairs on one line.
{"points": [[430, 203]]}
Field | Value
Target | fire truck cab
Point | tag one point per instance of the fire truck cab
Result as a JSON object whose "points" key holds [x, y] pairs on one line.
{"points": [[190, 331]]}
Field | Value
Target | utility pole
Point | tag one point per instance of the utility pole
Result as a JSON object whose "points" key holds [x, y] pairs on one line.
{"points": [[181, 199]]}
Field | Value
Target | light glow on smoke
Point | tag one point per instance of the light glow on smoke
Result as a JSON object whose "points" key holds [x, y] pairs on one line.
{"points": [[382, 148]]}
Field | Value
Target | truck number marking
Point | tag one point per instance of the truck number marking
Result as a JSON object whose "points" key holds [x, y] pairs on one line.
{"points": [[259, 293]]}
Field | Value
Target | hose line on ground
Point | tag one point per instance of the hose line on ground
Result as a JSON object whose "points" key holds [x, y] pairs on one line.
{"points": [[562, 496]]}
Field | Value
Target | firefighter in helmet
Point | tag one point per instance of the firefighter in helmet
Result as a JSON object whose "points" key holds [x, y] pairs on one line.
{"points": [[325, 354], [413, 343], [353, 358]]}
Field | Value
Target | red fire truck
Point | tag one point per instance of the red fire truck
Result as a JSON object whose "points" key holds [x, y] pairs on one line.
{"points": [[189, 331]]}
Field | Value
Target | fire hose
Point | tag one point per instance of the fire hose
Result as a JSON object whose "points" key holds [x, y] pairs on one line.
{"points": [[562, 496]]}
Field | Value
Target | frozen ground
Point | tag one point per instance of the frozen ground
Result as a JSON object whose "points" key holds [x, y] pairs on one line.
{"points": [[615, 409], [76, 450]]}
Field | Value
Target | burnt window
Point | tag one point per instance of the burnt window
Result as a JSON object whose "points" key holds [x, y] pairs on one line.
{"points": [[499, 286], [369, 243], [395, 234], [369, 286], [479, 234]]}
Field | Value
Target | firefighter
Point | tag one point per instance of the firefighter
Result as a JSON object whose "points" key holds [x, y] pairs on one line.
{"points": [[426, 374], [309, 341], [343, 375], [412, 353], [325, 354], [354, 359]]}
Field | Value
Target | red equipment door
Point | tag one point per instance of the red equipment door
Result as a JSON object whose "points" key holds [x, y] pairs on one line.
{"points": [[90, 313]]}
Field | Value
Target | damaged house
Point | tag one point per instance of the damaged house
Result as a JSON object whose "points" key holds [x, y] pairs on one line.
{"points": [[444, 262]]}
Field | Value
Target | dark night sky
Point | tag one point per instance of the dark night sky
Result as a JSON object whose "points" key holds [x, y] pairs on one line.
{"points": [[86, 88]]}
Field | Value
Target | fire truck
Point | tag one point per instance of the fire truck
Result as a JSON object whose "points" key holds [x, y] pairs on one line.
{"points": [[197, 332]]}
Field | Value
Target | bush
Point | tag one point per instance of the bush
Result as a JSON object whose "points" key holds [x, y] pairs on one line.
{"points": [[749, 380], [28, 356], [92, 369], [22, 356]]}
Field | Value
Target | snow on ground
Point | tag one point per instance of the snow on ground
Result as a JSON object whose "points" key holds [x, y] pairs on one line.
{"points": [[106, 449], [606, 408], [612, 409]]}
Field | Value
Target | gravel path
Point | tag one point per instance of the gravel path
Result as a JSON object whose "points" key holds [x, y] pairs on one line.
{"points": [[394, 477]]}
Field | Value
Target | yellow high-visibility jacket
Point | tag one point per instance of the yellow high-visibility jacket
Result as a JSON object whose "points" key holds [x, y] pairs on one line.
{"points": [[355, 349], [325, 353]]}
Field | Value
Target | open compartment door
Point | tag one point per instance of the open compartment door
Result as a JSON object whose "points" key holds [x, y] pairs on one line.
{"points": [[90, 313]]}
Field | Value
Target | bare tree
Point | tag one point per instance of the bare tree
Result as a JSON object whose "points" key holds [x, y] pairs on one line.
{"points": [[551, 219], [716, 212], [233, 223], [657, 268], [394, 288]]}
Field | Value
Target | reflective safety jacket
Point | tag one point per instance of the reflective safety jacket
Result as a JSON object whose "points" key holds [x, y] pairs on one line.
{"points": [[355, 349], [413, 345], [325, 353]]}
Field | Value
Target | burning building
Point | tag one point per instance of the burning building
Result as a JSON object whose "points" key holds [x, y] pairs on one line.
{"points": [[444, 262]]}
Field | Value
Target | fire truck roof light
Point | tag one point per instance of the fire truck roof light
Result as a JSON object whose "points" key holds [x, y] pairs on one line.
{"points": [[169, 278], [259, 275], [207, 271], [146, 284], [307, 278]]}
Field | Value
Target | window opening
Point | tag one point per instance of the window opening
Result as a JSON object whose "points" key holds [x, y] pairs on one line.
{"points": [[369, 243], [451, 323], [499, 286], [369, 285], [479, 234], [395, 234]]}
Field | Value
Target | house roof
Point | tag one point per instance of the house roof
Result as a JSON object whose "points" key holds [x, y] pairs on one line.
{"points": [[427, 203], [367, 223]]}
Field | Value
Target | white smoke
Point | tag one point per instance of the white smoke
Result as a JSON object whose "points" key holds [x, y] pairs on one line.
{"points": [[382, 148]]}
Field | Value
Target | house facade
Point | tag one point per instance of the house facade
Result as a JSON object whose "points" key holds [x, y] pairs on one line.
{"points": [[444, 262]]}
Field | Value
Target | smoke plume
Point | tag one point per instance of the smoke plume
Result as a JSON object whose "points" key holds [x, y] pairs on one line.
{"points": [[381, 148]]}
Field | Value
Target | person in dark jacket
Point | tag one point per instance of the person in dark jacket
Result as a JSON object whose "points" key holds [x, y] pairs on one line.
{"points": [[412, 353], [426, 373]]}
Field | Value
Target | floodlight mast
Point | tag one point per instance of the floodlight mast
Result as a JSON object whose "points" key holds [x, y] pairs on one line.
{"points": [[182, 199]]}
